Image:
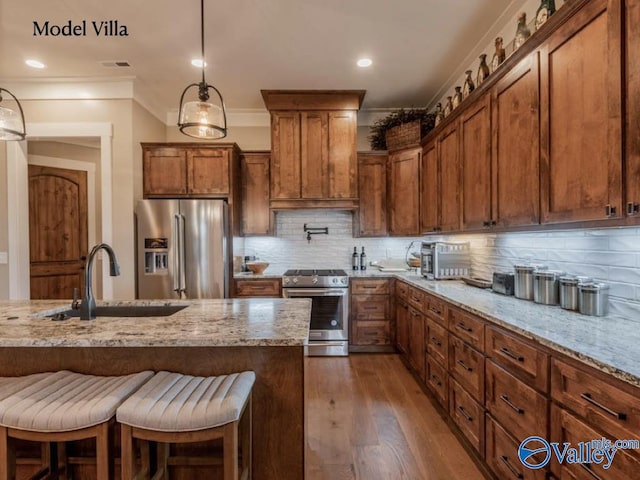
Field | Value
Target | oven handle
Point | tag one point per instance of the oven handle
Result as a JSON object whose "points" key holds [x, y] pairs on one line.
{"points": [[314, 292]]}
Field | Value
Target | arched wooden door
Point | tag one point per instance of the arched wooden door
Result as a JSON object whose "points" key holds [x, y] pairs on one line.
{"points": [[57, 231]]}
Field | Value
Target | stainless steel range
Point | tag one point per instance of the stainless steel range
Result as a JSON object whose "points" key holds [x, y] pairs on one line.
{"points": [[329, 294]]}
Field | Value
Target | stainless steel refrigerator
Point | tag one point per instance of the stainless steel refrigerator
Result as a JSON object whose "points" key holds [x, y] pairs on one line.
{"points": [[182, 249]]}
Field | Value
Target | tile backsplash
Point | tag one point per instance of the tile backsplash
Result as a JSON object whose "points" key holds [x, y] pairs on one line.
{"points": [[610, 255], [290, 247]]}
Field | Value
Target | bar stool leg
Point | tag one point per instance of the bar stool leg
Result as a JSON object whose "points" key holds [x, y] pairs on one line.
{"points": [[103, 453], [245, 427], [230, 447], [7, 456], [163, 461], [126, 452]]}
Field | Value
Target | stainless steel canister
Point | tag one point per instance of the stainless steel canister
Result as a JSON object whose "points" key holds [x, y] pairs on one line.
{"points": [[594, 299], [545, 286], [568, 292], [523, 284]]}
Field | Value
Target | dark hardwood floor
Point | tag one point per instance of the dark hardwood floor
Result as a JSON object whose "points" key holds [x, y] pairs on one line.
{"points": [[368, 419]]}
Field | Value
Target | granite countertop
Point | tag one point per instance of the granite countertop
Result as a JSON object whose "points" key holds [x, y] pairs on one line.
{"points": [[610, 344], [204, 323]]}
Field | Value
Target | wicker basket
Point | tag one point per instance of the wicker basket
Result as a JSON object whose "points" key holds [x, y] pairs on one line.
{"points": [[403, 135]]}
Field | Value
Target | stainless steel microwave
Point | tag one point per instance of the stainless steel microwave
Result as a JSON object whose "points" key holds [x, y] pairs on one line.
{"points": [[445, 260]]}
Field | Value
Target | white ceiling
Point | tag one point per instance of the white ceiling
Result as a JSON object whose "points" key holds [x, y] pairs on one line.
{"points": [[417, 46]]}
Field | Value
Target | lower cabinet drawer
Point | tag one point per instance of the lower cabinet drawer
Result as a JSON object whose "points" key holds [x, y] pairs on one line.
{"points": [[518, 407], [502, 455], [370, 286], [467, 414], [567, 428], [258, 288], [437, 381], [437, 341], [371, 333], [369, 307], [467, 366]]}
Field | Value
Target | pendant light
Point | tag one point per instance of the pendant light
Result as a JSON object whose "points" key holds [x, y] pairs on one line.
{"points": [[11, 121], [202, 118]]}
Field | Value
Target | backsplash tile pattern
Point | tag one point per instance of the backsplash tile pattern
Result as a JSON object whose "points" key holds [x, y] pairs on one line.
{"points": [[609, 255], [291, 249]]}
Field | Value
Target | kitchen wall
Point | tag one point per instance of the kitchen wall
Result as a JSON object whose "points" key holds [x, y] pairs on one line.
{"points": [[290, 248], [609, 255]]}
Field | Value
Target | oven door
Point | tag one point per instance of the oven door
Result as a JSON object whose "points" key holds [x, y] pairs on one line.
{"points": [[329, 311]]}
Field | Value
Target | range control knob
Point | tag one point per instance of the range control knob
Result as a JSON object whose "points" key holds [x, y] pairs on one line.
{"points": [[295, 280], [343, 280], [286, 281], [334, 280], [314, 280]]}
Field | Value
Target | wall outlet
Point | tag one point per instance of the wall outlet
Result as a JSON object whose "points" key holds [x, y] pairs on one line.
{"points": [[4, 258]]}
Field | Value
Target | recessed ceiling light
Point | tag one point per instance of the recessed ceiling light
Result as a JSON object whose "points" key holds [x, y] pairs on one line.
{"points": [[196, 62], [364, 62], [34, 63]]}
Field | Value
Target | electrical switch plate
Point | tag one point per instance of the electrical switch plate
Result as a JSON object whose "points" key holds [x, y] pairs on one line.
{"points": [[4, 258]]}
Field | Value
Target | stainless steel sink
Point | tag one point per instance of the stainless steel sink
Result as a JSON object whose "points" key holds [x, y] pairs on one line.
{"points": [[124, 311]]}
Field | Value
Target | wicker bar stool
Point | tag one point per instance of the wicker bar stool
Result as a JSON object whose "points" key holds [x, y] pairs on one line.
{"points": [[64, 406], [175, 408]]}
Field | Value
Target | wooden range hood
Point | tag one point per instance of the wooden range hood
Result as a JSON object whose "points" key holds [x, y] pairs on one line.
{"points": [[313, 148]]}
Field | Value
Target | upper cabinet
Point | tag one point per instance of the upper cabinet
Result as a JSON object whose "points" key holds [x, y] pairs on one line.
{"points": [[429, 191], [254, 172], [189, 169], [372, 183], [515, 104], [581, 116], [404, 192], [449, 181], [313, 139], [632, 38]]}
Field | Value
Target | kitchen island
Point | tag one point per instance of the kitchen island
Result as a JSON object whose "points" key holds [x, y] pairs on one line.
{"points": [[208, 337]]}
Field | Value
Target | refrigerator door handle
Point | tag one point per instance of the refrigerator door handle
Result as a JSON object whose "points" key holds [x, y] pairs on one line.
{"points": [[183, 255], [176, 253]]}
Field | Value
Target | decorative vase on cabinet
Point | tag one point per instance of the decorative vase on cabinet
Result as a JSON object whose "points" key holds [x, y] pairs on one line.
{"points": [[545, 10], [468, 85], [457, 97], [498, 56], [483, 70], [522, 31], [439, 114], [448, 107]]}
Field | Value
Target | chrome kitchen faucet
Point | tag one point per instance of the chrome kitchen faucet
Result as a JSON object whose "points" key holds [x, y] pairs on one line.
{"points": [[88, 305]]}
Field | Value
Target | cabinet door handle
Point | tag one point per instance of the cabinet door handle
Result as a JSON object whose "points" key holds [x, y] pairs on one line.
{"points": [[506, 400], [437, 380], [506, 352], [465, 414], [504, 459], [632, 208], [486, 224], [368, 286], [592, 474], [463, 327], [435, 341], [463, 365], [610, 210], [587, 396], [435, 310]]}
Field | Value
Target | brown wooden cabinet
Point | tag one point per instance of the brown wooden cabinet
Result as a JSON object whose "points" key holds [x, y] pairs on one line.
{"points": [[371, 322], [404, 192], [449, 181], [468, 414], [475, 162], [372, 187], [416, 342], [254, 172], [515, 109], [179, 170], [402, 326], [313, 147], [581, 156], [632, 95], [258, 287], [429, 191]]}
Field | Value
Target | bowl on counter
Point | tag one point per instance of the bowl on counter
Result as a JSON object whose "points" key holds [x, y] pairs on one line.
{"points": [[256, 267]]}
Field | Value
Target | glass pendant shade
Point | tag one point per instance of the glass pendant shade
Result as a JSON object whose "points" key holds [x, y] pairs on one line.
{"points": [[202, 118], [11, 121]]}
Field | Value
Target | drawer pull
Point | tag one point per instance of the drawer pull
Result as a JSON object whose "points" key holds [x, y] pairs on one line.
{"points": [[435, 310], [435, 341], [370, 307], [437, 380], [465, 414], [415, 299], [506, 400], [463, 365], [368, 286], [462, 326], [587, 467], [587, 397], [505, 460], [505, 351], [256, 287]]}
